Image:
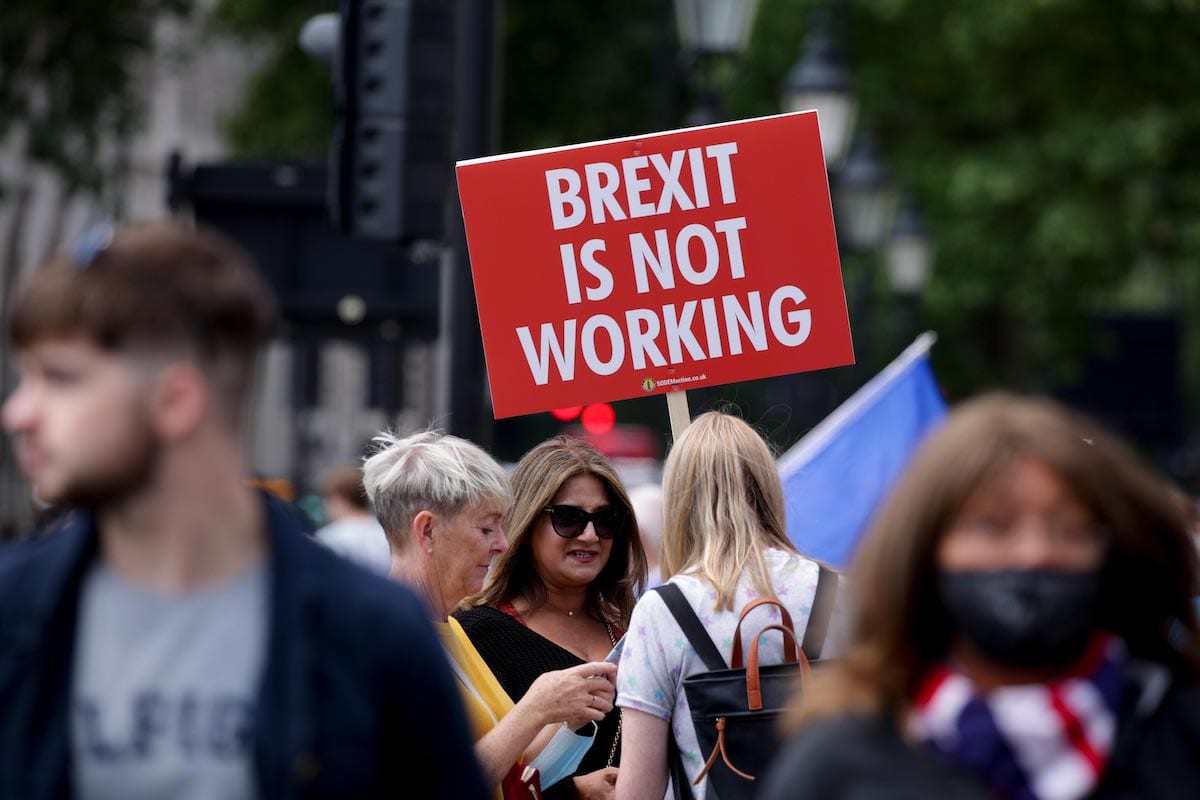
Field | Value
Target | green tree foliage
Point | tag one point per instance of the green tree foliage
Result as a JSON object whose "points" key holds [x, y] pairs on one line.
{"points": [[568, 76], [572, 75], [68, 76], [288, 106], [1052, 145]]}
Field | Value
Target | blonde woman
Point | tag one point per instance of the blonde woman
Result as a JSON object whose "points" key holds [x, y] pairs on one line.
{"points": [[724, 544]]}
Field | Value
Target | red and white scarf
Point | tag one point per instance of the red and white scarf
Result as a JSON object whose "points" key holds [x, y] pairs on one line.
{"points": [[1046, 741]]}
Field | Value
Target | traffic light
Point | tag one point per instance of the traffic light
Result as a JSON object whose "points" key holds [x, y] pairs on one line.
{"points": [[276, 210], [596, 419], [391, 164]]}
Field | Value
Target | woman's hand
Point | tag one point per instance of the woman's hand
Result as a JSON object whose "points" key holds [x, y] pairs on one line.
{"points": [[575, 696], [600, 784]]}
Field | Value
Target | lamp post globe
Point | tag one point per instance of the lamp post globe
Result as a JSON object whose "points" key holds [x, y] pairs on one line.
{"points": [[321, 36], [715, 27], [909, 254], [863, 197], [819, 80]]}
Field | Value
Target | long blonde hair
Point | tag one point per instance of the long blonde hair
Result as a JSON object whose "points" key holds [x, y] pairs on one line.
{"points": [[722, 506], [537, 478]]}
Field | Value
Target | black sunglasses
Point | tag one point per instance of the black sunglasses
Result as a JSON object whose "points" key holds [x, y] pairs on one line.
{"points": [[570, 521]]}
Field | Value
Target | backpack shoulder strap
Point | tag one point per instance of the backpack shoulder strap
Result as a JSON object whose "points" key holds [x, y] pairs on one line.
{"points": [[822, 610], [680, 784], [691, 626]]}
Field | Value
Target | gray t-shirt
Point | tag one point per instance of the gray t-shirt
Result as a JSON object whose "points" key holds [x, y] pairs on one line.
{"points": [[164, 688]]}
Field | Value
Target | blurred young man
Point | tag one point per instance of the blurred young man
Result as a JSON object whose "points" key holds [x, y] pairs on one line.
{"points": [[178, 637]]}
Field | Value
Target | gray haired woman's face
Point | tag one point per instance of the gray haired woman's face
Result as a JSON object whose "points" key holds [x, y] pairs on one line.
{"points": [[464, 547]]}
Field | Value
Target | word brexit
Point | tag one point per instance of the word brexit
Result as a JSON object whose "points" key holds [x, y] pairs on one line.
{"points": [[566, 191]]}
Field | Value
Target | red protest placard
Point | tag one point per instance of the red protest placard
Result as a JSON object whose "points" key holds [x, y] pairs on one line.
{"points": [[655, 263]]}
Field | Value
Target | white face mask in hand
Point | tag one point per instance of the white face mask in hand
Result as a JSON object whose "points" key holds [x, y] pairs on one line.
{"points": [[562, 754]]}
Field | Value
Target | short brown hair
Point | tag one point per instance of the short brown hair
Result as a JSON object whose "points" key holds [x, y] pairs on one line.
{"points": [[901, 627], [156, 287], [346, 483], [537, 478]]}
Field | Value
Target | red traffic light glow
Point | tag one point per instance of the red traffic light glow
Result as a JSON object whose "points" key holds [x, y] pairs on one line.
{"points": [[565, 414], [598, 418]]}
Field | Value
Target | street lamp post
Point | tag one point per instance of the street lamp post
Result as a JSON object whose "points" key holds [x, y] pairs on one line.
{"points": [[909, 253], [909, 258], [863, 197], [819, 80], [715, 27], [863, 203], [710, 30], [861, 184]]}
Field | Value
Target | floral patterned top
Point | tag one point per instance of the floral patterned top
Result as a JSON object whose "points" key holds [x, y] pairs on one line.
{"points": [[657, 656]]}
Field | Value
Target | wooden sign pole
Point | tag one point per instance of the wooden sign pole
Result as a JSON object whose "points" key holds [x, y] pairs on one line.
{"points": [[677, 409]]}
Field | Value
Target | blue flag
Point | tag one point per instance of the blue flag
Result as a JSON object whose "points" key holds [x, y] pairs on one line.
{"points": [[836, 476]]}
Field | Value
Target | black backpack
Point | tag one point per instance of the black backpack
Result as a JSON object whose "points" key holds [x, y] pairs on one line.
{"points": [[735, 708]]}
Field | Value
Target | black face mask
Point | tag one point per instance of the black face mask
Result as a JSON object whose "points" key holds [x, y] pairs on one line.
{"points": [[1024, 618]]}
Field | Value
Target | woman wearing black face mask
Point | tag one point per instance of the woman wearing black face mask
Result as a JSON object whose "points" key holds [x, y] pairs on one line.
{"points": [[1012, 633]]}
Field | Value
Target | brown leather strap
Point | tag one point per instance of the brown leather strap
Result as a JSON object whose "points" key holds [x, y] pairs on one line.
{"points": [[789, 647], [753, 682], [712, 757], [719, 747]]}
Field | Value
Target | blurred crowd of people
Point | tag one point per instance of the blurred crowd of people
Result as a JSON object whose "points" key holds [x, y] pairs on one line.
{"points": [[1019, 622]]}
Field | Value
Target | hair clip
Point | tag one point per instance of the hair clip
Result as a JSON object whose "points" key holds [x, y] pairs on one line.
{"points": [[92, 242]]}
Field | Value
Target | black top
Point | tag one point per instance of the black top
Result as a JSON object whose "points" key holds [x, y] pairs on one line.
{"points": [[863, 758], [517, 655], [1156, 757]]}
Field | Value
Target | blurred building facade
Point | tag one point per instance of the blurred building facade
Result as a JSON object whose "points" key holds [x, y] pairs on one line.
{"points": [[190, 85]]}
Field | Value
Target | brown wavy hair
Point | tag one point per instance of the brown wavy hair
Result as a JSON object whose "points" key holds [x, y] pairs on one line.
{"points": [[900, 628], [537, 478]]}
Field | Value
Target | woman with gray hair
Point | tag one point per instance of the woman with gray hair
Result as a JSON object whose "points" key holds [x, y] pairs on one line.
{"points": [[441, 500]]}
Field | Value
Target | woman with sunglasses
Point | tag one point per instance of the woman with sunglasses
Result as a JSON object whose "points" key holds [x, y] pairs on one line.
{"points": [[562, 593], [1012, 627], [441, 500]]}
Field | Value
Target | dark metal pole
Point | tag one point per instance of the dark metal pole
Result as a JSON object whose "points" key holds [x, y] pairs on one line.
{"points": [[305, 396], [666, 68], [475, 110]]}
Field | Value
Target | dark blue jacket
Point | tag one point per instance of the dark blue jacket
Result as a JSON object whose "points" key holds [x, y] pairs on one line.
{"points": [[356, 698]]}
